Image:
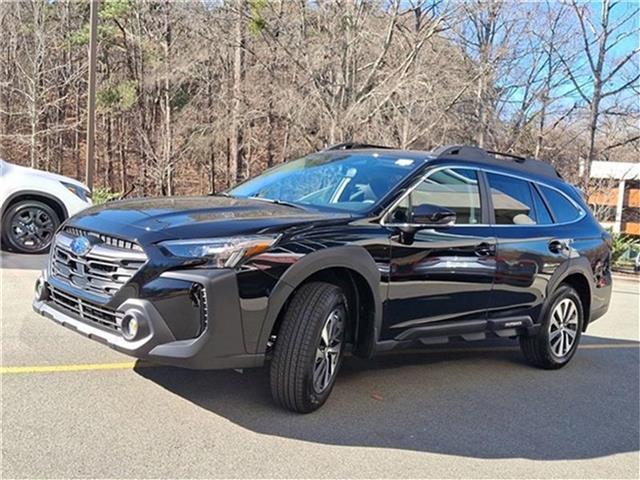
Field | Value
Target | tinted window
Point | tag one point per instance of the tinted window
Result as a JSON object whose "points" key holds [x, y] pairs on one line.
{"points": [[455, 189], [349, 181], [512, 200], [563, 209], [542, 212]]}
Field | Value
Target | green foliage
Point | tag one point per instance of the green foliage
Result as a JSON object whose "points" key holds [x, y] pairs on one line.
{"points": [[621, 245], [114, 9], [107, 32], [109, 10], [80, 37], [257, 23], [121, 96], [102, 195]]}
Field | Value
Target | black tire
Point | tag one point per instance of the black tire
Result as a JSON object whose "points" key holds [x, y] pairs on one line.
{"points": [[541, 350], [298, 344], [29, 226]]}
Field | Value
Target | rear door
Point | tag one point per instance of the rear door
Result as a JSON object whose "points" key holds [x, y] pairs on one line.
{"points": [[440, 274], [531, 246]]}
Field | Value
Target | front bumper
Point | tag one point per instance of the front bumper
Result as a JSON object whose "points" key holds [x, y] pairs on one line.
{"points": [[219, 346]]}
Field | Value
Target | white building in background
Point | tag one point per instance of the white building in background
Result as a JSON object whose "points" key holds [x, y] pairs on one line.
{"points": [[621, 203]]}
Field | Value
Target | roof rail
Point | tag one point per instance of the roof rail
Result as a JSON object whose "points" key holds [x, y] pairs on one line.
{"points": [[351, 146], [516, 158], [469, 152]]}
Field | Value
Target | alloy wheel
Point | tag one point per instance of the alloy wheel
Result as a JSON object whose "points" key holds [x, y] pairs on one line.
{"points": [[32, 228], [329, 350], [563, 327]]}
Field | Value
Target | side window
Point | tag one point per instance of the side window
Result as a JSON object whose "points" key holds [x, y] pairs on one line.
{"points": [[542, 212], [563, 209], [401, 214], [453, 188], [512, 200]]}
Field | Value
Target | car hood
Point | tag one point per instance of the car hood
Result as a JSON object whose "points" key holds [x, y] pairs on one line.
{"points": [[153, 219], [10, 167]]}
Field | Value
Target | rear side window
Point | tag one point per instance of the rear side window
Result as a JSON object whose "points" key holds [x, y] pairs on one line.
{"points": [[542, 212], [512, 200], [563, 209]]}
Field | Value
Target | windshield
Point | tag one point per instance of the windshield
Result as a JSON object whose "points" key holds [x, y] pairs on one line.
{"points": [[350, 181]]}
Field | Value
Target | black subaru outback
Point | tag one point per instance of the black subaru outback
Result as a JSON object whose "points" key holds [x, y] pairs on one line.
{"points": [[356, 248]]}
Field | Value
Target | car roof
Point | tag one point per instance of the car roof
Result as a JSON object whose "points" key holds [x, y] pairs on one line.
{"points": [[464, 153]]}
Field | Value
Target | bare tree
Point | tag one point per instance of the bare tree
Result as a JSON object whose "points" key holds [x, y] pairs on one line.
{"points": [[195, 96], [605, 75]]}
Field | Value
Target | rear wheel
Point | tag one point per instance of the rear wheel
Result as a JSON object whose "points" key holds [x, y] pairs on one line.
{"points": [[309, 347], [29, 226], [559, 334]]}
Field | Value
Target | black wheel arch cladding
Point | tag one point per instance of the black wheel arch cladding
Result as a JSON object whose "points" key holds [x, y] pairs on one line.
{"points": [[351, 257]]}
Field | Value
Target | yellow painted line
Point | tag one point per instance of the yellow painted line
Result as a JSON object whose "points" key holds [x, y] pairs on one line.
{"points": [[89, 367], [68, 368], [597, 346]]}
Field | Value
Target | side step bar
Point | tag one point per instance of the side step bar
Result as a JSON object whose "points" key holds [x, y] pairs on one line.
{"points": [[460, 328], [468, 330]]}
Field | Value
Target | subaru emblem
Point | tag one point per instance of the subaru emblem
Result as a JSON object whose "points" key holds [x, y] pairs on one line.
{"points": [[80, 246]]}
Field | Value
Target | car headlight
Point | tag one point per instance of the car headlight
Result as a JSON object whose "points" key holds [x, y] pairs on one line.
{"points": [[225, 252], [82, 193]]}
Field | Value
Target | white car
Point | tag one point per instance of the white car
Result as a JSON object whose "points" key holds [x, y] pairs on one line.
{"points": [[34, 204]]}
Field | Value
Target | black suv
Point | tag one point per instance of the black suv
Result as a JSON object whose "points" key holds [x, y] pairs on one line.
{"points": [[356, 248]]}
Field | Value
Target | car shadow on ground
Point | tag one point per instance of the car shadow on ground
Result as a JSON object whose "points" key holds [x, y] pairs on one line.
{"points": [[469, 401]]}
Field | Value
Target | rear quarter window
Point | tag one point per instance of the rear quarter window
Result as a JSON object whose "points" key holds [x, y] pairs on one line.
{"points": [[563, 209]]}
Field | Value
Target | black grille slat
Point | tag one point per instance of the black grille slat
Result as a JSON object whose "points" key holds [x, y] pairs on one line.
{"points": [[107, 239], [86, 310]]}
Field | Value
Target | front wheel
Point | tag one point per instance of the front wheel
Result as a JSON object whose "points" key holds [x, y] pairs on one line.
{"points": [[29, 226], [559, 334], [309, 347]]}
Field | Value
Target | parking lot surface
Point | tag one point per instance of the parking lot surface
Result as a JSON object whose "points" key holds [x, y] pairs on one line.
{"points": [[74, 408]]}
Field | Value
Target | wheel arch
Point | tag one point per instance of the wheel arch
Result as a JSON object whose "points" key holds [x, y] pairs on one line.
{"points": [[577, 277], [35, 195], [580, 284], [350, 267]]}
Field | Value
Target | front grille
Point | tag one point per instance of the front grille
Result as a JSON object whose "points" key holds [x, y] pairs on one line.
{"points": [[87, 311], [103, 270], [107, 239]]}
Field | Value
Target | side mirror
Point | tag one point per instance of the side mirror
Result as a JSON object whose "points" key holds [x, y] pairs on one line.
{"points": [[427, 214]]}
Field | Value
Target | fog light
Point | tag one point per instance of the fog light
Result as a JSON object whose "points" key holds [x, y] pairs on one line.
{"points": [[130, 327], [41, 290]]}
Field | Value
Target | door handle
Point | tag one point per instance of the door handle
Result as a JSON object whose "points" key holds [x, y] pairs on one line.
{"points": [[485, 249], [558, 246]]}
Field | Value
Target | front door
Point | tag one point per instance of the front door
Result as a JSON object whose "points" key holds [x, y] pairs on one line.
{"points": [[440, 273]]}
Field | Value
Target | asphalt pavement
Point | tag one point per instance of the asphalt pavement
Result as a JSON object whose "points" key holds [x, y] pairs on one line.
{"points": [[74, 408]]}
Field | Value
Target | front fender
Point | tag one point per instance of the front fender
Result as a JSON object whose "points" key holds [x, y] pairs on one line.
{"points": [[353, 257]]}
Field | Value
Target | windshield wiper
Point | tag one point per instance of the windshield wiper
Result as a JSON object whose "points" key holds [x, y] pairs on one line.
{"points": [[277, 202]]}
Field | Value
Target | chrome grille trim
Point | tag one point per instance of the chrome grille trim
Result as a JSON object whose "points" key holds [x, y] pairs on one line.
{"points": [[103, 271], [87, 311]]}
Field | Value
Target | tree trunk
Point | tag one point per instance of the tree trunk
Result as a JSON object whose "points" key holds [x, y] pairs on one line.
{"points": [[237, 164], [168, 141]]}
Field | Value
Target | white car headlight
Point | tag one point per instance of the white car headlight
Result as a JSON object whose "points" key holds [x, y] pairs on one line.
{"points": [[226, 252], [82, 193]]}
